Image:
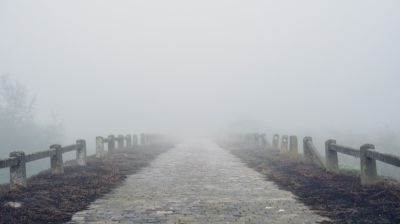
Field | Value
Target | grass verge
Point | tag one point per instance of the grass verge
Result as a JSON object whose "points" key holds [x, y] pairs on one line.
{"points": [[338, 196], [55, 198]]}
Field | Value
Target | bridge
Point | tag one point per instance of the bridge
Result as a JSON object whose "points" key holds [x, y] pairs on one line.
{"points": [[235, 179]]}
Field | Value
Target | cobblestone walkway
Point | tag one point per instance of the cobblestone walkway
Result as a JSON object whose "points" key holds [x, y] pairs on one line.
{"points": [[197, 182]]}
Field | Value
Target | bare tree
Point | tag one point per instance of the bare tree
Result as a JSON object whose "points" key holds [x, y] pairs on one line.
{"points": [[18, 129]]}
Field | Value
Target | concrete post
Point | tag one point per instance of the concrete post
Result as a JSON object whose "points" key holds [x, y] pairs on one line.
{"points": [[257, 140], [99, 147], [56, 160], [246, 138], [294, 147], [18, 172], [111, 143], [135, 140], [264, 141], [332, 161], [284, 146], [81, 153], [120, 142], [142, 139], [369, 174], [129, 141], [311, 154], [275, 142], [307, 154]]}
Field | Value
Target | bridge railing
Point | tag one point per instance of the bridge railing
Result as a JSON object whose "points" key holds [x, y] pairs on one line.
{"points": [[250, 139], [366, 153], [18, 159], [124, 142]]}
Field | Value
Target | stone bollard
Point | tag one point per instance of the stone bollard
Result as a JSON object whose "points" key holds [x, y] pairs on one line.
{"points": [[129, 141], [311, 154], [332, 161], [369, 174], [99, 147], [275, 142], [81, 153], [135, 140], [294, 147], [306, 151], [256, 138], [111, 143], [246, 140], [264, 141], [120, 142], [260, 140], [284, 146], [56, 160], [142, 139], [18, 172]]}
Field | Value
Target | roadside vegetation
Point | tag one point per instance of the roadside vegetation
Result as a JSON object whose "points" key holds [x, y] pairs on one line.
{"points": [[55, 198], [338, 196]]}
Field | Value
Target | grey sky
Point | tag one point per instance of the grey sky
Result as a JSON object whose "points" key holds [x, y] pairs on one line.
{"points": [[196, 66]]}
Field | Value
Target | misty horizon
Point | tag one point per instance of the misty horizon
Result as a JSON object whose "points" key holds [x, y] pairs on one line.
{"points": [[206, 67]]}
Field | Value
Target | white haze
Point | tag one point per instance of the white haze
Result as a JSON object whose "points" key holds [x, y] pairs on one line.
{"points": [[199, 67]]}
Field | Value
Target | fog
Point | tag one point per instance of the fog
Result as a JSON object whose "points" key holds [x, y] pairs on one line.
{"points": [[194, 68]]}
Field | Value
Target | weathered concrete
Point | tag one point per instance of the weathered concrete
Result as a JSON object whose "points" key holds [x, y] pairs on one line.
{"points": [[331, 156], [56, 161], [275, 142], [284, 146], [120, 141], [81, 153], [264, 142], [311, 154], [294, 147], [18, 172], [135, 140], [197, 182], [100, 147], [111, 143], [142, 139], [369, 174], [128, 141]]}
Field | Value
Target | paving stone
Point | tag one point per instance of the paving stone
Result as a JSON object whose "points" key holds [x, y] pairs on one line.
{"points": [[197, 182]]}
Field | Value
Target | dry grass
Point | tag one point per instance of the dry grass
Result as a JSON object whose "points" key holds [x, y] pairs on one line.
{"points": [[55, 198], [338, 196]]}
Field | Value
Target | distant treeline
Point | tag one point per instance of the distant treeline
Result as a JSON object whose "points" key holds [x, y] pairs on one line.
{"points": [[18, 128]]}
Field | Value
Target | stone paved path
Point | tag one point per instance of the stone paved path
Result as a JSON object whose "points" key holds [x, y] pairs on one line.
{"points": [[197, 182]]}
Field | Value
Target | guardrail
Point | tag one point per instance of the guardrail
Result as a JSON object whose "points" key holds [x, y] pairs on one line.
{"points": [[18, 159], [121, 142], [366, 153], [251, 139], [115, 143]]}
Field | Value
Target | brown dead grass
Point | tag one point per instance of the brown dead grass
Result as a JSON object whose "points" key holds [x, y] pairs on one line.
{"points": [[55, 198], [338, 196]]}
